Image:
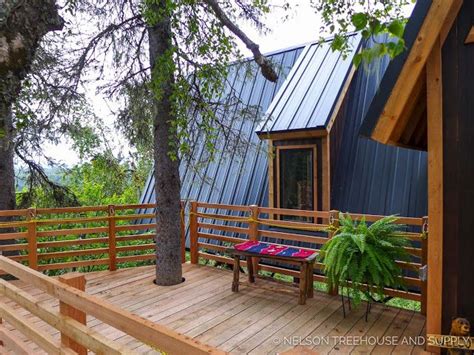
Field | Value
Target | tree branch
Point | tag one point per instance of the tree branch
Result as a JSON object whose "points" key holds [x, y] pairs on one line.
{"points": [[265, 65]]}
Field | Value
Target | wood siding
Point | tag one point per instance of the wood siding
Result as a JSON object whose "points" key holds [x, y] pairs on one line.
{"points": [[458, 145]]}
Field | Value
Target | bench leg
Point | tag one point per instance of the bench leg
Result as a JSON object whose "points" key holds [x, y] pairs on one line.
{"points": [[235, 282], [303, 283], [250, 269], [310, 285]]}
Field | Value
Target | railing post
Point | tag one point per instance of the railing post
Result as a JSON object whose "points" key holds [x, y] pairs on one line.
{"points": [[77, 281], [32, 239], [334, 223], [112, 240], [253, 232], [183, 232], [193, 232], [424, 260]]}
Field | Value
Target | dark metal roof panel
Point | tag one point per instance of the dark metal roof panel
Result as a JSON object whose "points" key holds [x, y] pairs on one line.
{"points": [[308, 97], [394, 69], [371, 177], [235, 177]]}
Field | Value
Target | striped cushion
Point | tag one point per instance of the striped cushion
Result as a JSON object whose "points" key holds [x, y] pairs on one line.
{"points": [[273, 249]]}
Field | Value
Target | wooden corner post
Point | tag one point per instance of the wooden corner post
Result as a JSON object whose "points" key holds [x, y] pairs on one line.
{"points": [[334, 223], [183, 232], [77, 281], [253, 232], [434, 85], [193, 231], [32, 239], [112, 239]]}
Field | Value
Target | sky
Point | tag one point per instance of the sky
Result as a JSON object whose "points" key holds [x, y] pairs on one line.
{"points": [[301, 26]]}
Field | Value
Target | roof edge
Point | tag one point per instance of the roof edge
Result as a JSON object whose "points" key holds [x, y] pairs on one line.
{"points": [[394, 69]]}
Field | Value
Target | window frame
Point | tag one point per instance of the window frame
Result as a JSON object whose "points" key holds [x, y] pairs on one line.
{"points": [[313, 147]]}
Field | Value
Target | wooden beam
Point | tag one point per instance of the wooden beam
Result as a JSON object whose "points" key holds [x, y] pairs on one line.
{"points": [[271, 175], [449, 22], [412, 104], [470, 36], [13, 343], [144, 330], [193, 231], [77, 281], [326, 174], [435, 190], [90, 338], [299, 134], [439, 16], [340, 100], [40, 337], [413, 125]]}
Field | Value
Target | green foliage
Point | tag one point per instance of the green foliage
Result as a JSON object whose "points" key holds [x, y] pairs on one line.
{"points": [[365, 254], [107, 180], [371, 18], [103, 180], [198, 63]]}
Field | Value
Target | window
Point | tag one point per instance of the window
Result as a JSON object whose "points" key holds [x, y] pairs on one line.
{"points": [[296, 177]]}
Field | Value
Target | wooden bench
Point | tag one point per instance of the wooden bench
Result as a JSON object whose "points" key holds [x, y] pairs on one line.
{"points": [[306, 270]]}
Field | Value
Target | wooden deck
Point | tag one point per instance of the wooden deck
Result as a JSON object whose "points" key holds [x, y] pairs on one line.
{"points": [[254, 321]]}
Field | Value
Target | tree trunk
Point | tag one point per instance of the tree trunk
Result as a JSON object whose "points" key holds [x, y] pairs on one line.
{"points": [[7, 173], [167, 180], [22, 25]]}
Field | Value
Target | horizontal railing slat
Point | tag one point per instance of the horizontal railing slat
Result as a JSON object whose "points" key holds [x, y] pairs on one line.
{"points": [[135, 227], [298, 213], [14, 213], [153, 334], [133, 258], [221, 227], [72, 242], [72, 328], [13, 235], [73, 264], [221, 238], [223, 207], [72, 231], [293, 237], [68, 254]]}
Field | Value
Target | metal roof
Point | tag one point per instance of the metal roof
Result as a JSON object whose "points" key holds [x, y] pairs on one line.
{"points": [[238, 178], [371, 177], [368, 177], [308, 97], [390, 77]]}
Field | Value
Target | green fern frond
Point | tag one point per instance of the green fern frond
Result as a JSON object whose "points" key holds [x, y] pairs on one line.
{"points": [[365, 254]]}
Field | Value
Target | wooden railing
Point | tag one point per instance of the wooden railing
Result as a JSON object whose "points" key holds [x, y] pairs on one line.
{"points": [[107, 237], [80, 237], [70, 320], [214, 227]]}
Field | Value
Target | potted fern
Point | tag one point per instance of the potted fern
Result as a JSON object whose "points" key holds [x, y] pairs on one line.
{"points": [[364, 255]]}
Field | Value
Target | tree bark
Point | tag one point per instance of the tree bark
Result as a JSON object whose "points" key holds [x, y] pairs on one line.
{"points": [[7, 173], [22, 25], [167, 180]]}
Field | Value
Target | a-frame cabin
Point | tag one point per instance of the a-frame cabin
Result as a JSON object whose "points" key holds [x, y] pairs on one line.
{"points": [[426, 101]]}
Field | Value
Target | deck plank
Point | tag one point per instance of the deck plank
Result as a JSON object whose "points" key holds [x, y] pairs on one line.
{"points": [[359, 329], [305, 330], [396, 329], [378, 329], [205, 308]]}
